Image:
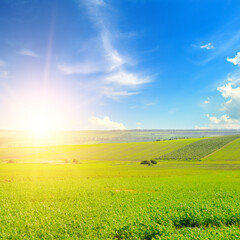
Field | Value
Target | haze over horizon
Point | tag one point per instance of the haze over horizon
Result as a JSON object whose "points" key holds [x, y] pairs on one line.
{"points": [[122, 64]]}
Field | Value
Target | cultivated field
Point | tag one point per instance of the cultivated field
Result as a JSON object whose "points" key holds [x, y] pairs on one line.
{"points": [[229, 153], [110, 195], [112, 151], [199, 149]]}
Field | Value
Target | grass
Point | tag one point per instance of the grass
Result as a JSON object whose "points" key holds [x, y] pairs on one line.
{"points": [[115, 197], [44, 201], [114, 151], [199, 149]]}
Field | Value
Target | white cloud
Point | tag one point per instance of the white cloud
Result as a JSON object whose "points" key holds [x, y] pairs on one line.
{"points": [[104, 60], [230, 120], [224, 122], [139, 123], [207, 46], [116, 94], [228, 91], [28, 53], [3, 63], [235, 78], [226, 40], [114, 59], [213, 119], [231, 92], [127, 79], [235, 60], [105, 124], [229, 101], [206, 102]]}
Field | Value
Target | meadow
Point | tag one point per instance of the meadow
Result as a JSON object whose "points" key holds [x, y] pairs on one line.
{"points": [[119, 198]]}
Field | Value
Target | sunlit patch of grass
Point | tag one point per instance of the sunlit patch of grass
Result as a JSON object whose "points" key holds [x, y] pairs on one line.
{"points": [[121, 200]]}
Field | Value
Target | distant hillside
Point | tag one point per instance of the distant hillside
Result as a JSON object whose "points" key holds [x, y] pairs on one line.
{"points": [[230, 152], [110, 151], [199, 149], [23, 139]]}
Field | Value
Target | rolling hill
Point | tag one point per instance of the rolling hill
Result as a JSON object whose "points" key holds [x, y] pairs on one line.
{"points": [[112, 151], [199, 149], [230, 152]]}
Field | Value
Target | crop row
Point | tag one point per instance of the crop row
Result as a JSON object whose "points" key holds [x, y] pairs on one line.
{"points": [[199, 149]]}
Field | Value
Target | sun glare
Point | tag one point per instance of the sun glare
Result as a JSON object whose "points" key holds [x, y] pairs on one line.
{"points": [[41, 123], [40, 127]]}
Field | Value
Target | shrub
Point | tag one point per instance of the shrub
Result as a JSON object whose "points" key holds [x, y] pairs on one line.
{"points": [[153, 161], [75, 161], [146, 162], [10, 161]]}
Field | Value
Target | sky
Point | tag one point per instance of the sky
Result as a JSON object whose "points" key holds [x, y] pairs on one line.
{"points": [[119, 64]]}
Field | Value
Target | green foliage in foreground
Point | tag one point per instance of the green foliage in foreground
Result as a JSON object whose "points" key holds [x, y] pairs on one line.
{"points": [[43, 201], [199, 149]]}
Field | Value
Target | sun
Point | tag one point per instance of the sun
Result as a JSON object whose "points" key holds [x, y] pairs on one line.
{"points": [[41, 122], [42, 118], [40, 127]]}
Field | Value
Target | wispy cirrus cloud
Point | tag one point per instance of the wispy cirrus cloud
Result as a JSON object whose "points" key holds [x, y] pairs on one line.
{"points": [[126, 79], [114, 59], [207, 46], [109, 66], [28, 53], [115, 94]]}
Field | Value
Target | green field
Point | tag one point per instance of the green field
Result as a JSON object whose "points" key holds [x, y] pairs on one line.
{"points": [[117, 197], [229, 153], [112, 151], [199, 149]]}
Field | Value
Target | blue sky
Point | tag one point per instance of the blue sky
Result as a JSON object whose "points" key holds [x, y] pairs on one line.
{"points": [[120, 64]]}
